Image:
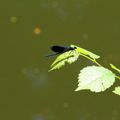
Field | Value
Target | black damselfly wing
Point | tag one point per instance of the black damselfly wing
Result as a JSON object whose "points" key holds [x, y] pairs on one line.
{"points": [[60, 49]]}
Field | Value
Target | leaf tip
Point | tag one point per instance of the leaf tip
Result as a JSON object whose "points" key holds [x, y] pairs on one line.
{"points": [[50, 70], [77, 89]]}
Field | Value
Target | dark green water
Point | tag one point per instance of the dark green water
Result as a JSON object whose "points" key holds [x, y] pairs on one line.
{"points": [[27, 29]]}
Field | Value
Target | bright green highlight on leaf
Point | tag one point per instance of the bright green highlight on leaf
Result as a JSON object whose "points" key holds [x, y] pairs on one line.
{"points": [[67, 57], [115, 68], [117, 90], [71, 56], [95, 78], [85, 52]]}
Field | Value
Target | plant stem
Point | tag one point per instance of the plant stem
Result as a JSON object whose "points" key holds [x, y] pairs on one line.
{"points": [[93, 60], [97, 63], [115, 68], [117, 77]]}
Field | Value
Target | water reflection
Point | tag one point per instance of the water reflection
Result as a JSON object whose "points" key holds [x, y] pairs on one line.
{"points": [[38, 78], [39, 117], [45, 114], [64, 11], [83, 115]]}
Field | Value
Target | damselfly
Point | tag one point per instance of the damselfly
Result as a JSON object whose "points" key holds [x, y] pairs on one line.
{"points": [[60, 49]]}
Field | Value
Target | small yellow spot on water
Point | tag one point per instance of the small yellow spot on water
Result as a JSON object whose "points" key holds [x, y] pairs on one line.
{"points": [[37, 30], [13, 19]]}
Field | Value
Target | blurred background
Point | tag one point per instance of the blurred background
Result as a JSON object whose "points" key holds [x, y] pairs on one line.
{"points": [[27, 29]]}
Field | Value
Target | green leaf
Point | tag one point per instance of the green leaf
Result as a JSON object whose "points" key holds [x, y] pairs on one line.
{"points": [[115, 68], [67, 57], [85, 52], [71, 56], [95, 78], [117, 90]]}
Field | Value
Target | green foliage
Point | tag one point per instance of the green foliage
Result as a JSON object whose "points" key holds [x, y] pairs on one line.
{"points": [[67, 57], [93, 78], [82, 51], [117, 90], [71, 56], [115, 68]]}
